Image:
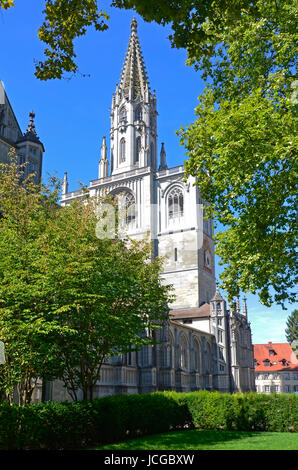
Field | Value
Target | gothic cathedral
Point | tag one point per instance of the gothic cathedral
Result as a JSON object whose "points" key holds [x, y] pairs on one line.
{"points": [[204, 345]]}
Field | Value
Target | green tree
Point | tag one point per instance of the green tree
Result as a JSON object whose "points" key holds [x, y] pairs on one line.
{"points": [[292, 327], [243, 146], [25, 212], [106, 292], [67, 20], [69, 299], [64, 21]]}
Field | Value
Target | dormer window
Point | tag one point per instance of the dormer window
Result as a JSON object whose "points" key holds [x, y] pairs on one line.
{"points": [[267, 362], [284, 362], [272, 352]]}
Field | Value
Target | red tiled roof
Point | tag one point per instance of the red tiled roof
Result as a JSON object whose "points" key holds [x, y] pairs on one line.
{"points": [[182, 314], [282, 352]]}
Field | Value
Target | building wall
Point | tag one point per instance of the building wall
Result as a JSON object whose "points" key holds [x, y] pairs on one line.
{"points": [[277, 382]]}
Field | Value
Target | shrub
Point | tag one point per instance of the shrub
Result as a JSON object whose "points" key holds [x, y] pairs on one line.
{"points": [[116, 418]]}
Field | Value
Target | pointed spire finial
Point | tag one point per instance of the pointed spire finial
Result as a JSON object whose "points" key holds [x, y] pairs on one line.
{"points": [[163, 164], [244, 307], [65, 184], [217, 296], [103, 167], [31, 125], [238, 304], [134, 25], [103, 150]]}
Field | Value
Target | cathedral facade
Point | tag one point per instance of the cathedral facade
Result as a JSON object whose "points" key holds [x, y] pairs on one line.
{"points": [[204, 345]]}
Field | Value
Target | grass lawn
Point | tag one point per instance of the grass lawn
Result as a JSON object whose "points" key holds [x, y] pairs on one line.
{"points": [[210, 440]]}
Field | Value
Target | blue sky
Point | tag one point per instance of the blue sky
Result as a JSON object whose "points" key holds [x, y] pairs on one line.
{"points": [[72, 116]]}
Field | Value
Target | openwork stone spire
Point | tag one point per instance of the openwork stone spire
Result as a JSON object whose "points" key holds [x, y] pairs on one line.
{"points": [[134, 76]]}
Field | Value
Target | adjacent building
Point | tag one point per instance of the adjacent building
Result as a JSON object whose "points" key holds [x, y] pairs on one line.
{"points": [[276, 368], [27, 146]]}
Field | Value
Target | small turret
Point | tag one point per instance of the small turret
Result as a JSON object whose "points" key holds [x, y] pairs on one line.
{"points": [[238, 305], [103, 167], [244, 307], [65, 184], [163, 164], [30, 150], [219, 328]]}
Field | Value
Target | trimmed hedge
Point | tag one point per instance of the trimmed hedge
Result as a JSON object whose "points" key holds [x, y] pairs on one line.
{"points": [[53, 425]]}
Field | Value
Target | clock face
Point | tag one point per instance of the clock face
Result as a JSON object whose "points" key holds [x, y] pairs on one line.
{"points": [[208, 259]]}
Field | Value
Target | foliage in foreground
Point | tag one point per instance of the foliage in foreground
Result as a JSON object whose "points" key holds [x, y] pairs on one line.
{"points": [[243, 146], [64, 21], [68, 299], [116, 418], [292, 327]]}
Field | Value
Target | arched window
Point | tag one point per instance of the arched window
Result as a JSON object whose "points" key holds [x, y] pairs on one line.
{"points": [[123, 114], [138, 113], [130, 208], [175, 203], [197, 356], [183, 349], [138, 149], [207, 359], [122, 150]]}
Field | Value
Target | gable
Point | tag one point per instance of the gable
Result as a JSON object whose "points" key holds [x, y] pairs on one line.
{"points": [[10, 130]]}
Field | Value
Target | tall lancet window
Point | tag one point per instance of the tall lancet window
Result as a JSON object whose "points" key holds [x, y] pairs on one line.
{"points": [[130, 208], [138, 149], [175, 203], [123, 114], [183, 353], [122, 150], [138, 113]]}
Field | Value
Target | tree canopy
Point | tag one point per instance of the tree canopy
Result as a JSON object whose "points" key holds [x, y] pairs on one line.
{"points": [[243, 146], [66, 20], [292, 327], [68, 299]]}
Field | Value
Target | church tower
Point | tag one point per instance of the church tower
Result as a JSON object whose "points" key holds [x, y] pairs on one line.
{"points": [[160, 205], [30, 150], [203, 345], [133, 114]]}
